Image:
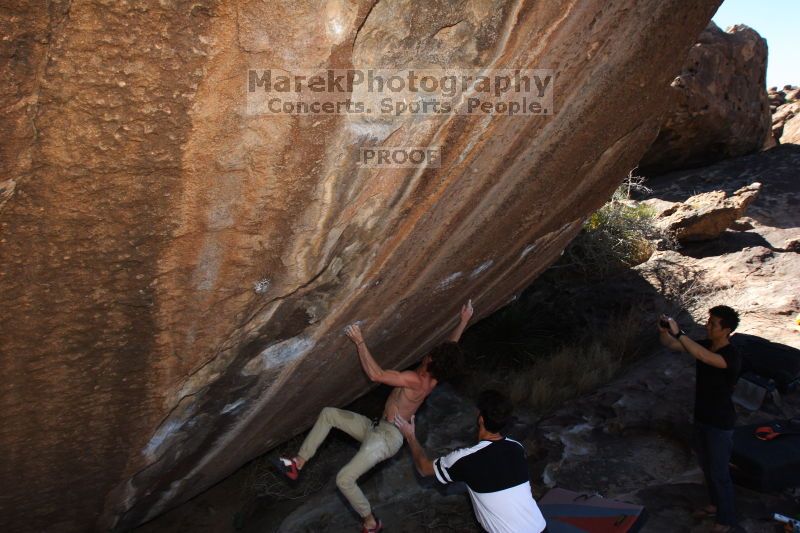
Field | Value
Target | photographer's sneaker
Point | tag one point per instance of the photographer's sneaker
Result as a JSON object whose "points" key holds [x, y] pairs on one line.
{"points": [[287, 467]]}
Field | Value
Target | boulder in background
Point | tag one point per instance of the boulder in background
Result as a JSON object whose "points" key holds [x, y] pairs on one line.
{"points": [[703, 216], [720, 107]]}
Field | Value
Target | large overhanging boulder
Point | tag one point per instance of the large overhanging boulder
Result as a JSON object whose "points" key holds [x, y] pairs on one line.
{"points": [[720, 107], [176, 271]]}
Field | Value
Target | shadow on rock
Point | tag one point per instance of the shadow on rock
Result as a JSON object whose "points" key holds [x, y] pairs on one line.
{"points": [[728, 242]]}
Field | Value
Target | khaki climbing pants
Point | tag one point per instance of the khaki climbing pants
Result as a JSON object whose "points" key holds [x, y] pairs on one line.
{"points": [[378, 443]]}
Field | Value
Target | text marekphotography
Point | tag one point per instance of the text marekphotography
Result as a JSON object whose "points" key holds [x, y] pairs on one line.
{"points": [[395, 93]]}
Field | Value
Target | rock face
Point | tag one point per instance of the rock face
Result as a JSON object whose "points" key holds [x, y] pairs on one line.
{"points": [[790, 133], [628, 440], [777, 98], [720, 107], [704, 216], [785, 109], [781, 118], [176, 272]]}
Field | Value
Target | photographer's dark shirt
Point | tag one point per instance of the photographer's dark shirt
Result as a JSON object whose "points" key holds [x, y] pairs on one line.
{"points": [[712, 401]]}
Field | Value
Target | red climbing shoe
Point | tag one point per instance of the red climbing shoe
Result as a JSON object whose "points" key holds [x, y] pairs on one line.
{"points": [[378, 527], [287, 467]]}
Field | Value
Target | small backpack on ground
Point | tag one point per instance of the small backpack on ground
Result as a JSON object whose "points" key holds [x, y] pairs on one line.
{"points": [[766, 456], [752, 389]]}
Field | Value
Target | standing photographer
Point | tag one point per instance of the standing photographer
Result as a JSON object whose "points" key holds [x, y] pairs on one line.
{"points": [[718, 366]]}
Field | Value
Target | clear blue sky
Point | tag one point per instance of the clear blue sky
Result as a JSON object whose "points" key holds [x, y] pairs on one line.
{"points": [[778, 21]]}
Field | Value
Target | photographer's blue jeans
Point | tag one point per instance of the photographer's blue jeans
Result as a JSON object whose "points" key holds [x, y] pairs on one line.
{"points": [[714, 447]]}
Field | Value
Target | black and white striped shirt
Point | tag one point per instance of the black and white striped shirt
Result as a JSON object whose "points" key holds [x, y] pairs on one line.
{"points": [[496, 475]]}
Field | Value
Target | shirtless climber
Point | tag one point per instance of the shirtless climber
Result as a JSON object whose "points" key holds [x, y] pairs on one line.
{"points": [[379, 438]]}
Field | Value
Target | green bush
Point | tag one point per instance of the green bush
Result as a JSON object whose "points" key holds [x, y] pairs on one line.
{"points": [[619, 235]]}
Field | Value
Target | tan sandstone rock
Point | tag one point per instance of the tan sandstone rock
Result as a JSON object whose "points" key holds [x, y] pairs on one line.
{"points": [[7, 188], [704, 216], [720, 108], [176, 271], [791, 129], [782, 115]]}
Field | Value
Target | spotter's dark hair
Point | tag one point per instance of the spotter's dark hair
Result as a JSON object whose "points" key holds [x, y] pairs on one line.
{"points": [[496, 410]]}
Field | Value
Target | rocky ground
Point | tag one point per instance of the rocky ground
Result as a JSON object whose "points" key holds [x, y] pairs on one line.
{"points": [[627, 440], [784, 105]]}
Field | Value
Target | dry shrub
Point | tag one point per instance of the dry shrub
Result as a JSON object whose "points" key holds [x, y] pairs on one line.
{"points": [[621, 234], [681, 286], [580, 366], [618, 235]]}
